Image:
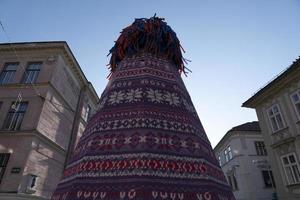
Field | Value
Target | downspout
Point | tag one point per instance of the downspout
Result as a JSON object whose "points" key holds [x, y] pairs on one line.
{"points": [[75, 125]]}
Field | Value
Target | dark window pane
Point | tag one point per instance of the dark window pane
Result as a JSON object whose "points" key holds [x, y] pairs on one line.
{"points": [[229, 181], [295, 98], [276, 109], [33, 181], [31, 73], [290, 175], [285, 161], [8, 73], [274, 124], [260, 148], [298, 108], [279, 120], [296, 173], [292, 159], [4, 157], [15, 116], [235, 183], [267, 176]]}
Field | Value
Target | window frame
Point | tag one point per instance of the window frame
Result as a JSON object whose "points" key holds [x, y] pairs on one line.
{"points": [[4, 69], [32, 181], [260, 149], [232, 181], [28, 71], [220, 160], [228, 152], [270, 176], [274, 115], [297, 92], [8, 118], [290, 166], [3, 165], [87, 112]]}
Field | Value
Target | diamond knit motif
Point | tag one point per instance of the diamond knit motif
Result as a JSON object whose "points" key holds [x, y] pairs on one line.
{"points": [[146, 141]]}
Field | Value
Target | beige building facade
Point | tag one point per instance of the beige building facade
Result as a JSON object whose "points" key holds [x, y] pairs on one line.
{"points": [[277, 107], [45, 102], [244, 160]]}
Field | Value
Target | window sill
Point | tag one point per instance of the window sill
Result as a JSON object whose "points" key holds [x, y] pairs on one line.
{"points": [[294, 188], [269, 188], [23, 85], [258, 155], [293, 185], [30, 190], [3, 131], [280, 130], [225, 163]]}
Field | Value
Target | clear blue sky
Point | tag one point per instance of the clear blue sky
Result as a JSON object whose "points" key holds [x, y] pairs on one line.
{"points": [[235, 46]]}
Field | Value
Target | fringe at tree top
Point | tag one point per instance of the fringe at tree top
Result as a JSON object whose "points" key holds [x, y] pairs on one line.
{"points": [[148, 35]]}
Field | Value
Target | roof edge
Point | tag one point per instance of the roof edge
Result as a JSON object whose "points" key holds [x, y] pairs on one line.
{"points": [[232, 132], [250, 103]]}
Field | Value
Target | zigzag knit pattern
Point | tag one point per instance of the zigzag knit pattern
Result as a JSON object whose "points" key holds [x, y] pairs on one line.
{"points": [[146, 142]]}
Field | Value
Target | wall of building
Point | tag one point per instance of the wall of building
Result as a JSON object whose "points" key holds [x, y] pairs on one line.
{"points": [[47, 125], [248, 174], [284, 141], [46, 162], [56, 119]]}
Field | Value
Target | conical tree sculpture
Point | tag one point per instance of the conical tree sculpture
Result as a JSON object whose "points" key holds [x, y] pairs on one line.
{"points": [[146, 141]]}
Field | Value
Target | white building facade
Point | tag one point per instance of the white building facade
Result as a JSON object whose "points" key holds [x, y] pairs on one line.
{"points": [[244, 160], [277, 106]]}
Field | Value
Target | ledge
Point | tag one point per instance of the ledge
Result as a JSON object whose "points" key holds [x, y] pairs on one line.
{"points": [[19, 196], [284, 141], [33, 133], [294, 188], [235, 156], [23, 85], [280, 130]]}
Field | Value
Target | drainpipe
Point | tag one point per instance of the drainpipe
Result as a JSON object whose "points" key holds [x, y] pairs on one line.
{"points": [[75, 125]]}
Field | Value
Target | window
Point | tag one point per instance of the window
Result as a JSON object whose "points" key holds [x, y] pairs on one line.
{"points": [[32, 72], [220, 161], [15, 116], [291, 168], [228, 154], [87, 113], [296, 101], [32, 181], [8, 73], [260, 148], [268, 178], [31, 184], [3, 162], [275, 118], [232, 181]]}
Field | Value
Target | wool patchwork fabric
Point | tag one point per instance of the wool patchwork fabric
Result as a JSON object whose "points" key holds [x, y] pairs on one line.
{"points": [[146, 141]]}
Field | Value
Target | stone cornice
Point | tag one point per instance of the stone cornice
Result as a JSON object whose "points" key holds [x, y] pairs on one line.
{"points": [[23, 85], [33, 133]]}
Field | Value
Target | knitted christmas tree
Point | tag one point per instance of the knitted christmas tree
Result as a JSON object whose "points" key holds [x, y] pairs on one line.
{"points": [[146, 141]]}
